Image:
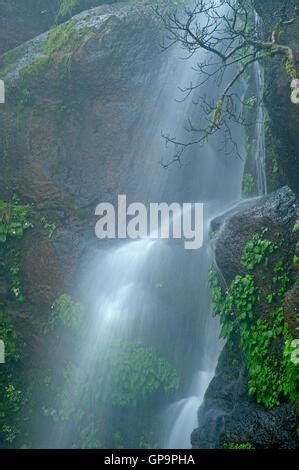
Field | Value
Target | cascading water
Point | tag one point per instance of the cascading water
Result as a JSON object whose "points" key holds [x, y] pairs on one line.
{"points": [[259, 141], [181, 417], [156, 292]]}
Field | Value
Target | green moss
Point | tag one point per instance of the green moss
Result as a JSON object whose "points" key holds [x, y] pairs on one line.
{"points": [[49, 227], [59, 37], [15, 220], [65, 38], [8, 62], [251, 102], [290, 69], [248, 146], [8, 335], [35, 67], [275, 167], [240, 446], [66, 8], [248, 185]]}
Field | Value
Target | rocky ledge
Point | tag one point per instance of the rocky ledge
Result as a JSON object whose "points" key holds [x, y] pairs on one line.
{"points": [[228, 414]]}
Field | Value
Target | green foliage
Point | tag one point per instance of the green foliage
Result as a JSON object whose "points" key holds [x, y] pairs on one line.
{"points": [[256, 251], [275, 166], [282, 278], [145, 444], [290, 69], [296, 226], [14, 220], [8, 335], [251, 102], [271, 372], [136, 373], [124, 374], [11, 396], [10, 405], [59, 38], [291, 369], [248, 147], [280, 281], [269, 377], [8, 59], [49, 227], [248, 185], [237, 306], [66, 313], [217, 113], [66, 8], [88, 437], [14, 271], [241, 446], [66, 38], [120, 374]]}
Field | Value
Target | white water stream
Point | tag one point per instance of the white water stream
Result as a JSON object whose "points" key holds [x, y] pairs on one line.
{"points": [[156, 292]]}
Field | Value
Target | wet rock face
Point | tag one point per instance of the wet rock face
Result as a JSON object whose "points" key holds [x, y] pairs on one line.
{"points": [[66, 131], [21, 20], [282, 138], [274, 212], [77, 110], [228, 413]]}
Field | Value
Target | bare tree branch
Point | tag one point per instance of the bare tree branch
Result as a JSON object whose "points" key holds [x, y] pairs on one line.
{"points": [[225, 36]]}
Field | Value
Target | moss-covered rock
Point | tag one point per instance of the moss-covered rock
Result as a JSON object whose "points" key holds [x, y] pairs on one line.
{"points": [[251, 399]]}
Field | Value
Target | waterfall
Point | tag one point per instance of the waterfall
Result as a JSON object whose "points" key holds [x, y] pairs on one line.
{"points": [[154, 292], [259, 141], [186, 409]]}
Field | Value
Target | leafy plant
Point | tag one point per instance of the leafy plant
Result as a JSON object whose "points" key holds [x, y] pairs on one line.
{"points": [[271, 375], [8, 335], [282, 278], [256, 250], [251, 102], [12, 396], [290, 69], [135, 373], [66, 7], [65, 312], [296, 226], [248, 185], [238, 305], [275, 166], [14, 220], [240, 446], [49, 227]]}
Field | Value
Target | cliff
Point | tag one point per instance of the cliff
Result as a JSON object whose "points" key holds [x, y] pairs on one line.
{"points": [[238, 408], [233, 415]]}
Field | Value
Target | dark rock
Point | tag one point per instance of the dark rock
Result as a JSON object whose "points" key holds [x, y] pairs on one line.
{"points": [[69, 145], [56, 158], [228, 414], [23, 20], [282, 137], [277, 212]]}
